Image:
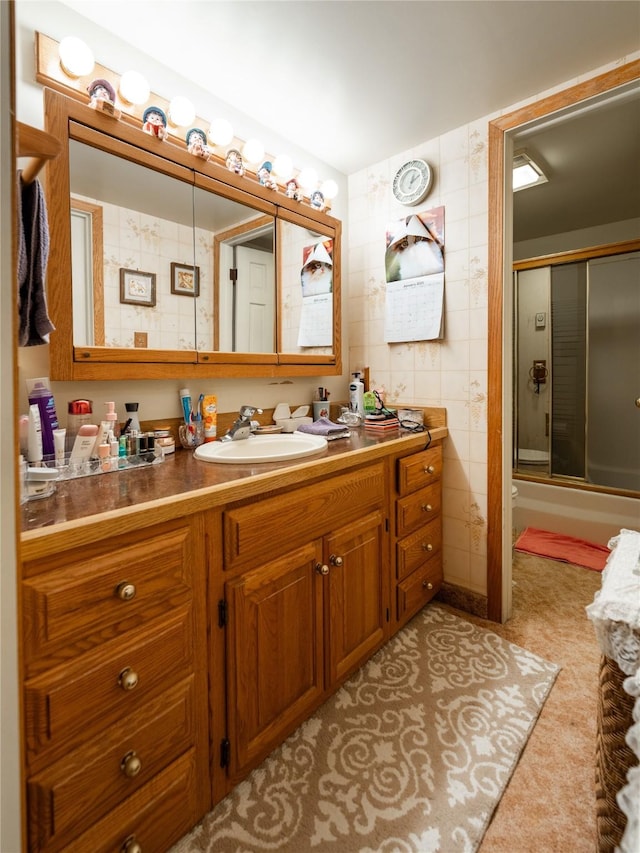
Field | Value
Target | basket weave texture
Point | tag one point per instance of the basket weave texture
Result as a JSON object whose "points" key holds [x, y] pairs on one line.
{"points": [[613, 756]]}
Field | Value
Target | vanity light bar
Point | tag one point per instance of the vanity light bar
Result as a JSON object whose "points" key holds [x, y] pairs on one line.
{"points": [[51, 73]]}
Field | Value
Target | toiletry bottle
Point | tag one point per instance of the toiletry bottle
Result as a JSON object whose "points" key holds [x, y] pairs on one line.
{"points": [[356, 394], [79, 413], [132, 417], [210, 416], [108, 425], [34, 441], [40, 395]]}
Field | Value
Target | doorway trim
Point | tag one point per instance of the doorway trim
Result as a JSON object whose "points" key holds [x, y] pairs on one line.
{"points": [[499, 277]]}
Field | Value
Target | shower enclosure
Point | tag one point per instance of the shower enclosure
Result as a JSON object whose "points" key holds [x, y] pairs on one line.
{"points": [[577, 369]]}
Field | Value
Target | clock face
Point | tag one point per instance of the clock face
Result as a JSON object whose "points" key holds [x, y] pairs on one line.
{"points": [[412, 181]]}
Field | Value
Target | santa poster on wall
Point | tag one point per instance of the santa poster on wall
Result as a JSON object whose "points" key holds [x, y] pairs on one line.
{"points": [[414, 270]]}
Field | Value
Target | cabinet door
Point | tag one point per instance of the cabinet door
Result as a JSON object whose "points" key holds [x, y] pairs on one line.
{"points": [[355, 612], [274, 654]]}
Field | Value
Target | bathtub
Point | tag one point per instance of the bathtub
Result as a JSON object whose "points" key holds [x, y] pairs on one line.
{"points": [[588, 515]]}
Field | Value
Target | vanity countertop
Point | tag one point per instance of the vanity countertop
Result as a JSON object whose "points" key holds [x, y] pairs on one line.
{"points": [[85, 509]]}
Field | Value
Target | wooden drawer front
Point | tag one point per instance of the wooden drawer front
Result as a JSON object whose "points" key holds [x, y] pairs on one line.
{"points": [[78, 790], [155, 817], [417, 509], [90, 692], [423, 545], [71, 609], [416, 591], [419, 470], [272, 526]]}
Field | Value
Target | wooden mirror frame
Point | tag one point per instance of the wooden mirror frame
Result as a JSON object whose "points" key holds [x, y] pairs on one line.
{"points": [[65, 119]]}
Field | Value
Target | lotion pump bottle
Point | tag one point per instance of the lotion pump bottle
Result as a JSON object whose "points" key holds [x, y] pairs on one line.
{"points": [[356, 394], [109, 425]]}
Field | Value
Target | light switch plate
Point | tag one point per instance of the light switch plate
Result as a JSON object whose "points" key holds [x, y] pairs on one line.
{"points": [[541, 320]]}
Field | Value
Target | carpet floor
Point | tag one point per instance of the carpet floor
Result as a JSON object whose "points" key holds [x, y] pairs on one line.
{"points": [[412, 754]]}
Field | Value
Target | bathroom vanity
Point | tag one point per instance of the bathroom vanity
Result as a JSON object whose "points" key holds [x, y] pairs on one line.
{"points": [[176, 635]]}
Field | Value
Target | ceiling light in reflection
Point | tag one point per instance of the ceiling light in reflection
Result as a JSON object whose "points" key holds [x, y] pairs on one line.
{"points": [[76, 58], [308, 179], [133, 88], [253, 151], [220, 132], [181, 112]]}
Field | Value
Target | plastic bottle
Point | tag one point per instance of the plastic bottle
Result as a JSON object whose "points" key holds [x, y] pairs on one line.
{"points": [[79, 413], [108, 425], [41, 396], [356, 394], [210, 416], [132, 417]]}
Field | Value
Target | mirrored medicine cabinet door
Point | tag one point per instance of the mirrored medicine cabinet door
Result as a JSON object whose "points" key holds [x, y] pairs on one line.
{"points": [[173, 268]]}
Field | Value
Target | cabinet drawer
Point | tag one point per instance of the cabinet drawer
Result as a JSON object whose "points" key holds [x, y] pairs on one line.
{"points": [[417, 590], [419, 470], [88, 601], [270, 527], [155, 817], [78, 790], [104, 685], [417, 509], [419, 547]]}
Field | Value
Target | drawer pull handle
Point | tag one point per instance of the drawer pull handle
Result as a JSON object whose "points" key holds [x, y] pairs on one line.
{"points": [[131, 765], [322, 568], [427, 585], [131, 845], [430, 469], [336, 561], [126, 591], [427, 508], [427, 546], [128, 679]]}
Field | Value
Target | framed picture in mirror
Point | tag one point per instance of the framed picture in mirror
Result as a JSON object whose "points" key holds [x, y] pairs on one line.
{"points": [[137, 288], [185, 280]]}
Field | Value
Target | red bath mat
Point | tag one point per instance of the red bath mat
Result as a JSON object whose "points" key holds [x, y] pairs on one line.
{"points": [[557, 546]]}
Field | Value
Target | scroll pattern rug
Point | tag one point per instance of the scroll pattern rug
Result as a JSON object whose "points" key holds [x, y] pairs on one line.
{"points": [[411, 754]]}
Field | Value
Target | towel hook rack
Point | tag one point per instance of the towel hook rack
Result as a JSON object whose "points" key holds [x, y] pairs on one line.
{"points": [[37, 145]]}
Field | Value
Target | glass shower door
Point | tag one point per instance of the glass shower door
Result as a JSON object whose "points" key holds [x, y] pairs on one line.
{"points": [[613, 372]]}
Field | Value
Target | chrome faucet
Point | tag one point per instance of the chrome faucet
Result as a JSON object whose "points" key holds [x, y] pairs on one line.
{"points": [[241, 427]]}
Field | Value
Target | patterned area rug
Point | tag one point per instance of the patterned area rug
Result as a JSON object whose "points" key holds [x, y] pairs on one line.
{"points": [[412, 754]]}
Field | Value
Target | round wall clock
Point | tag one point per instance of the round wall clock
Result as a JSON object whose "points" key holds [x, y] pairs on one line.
{"points": [[412, 181]]}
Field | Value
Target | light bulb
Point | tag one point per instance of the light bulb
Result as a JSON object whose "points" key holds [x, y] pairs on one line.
{"points": [[181, 111], [329, 189], [76, 58], [308, 179], [253, 151], [133, 88], [220, 132], [283, 166]]}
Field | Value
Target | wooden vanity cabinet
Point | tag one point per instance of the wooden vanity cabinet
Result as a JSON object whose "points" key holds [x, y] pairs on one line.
{"points": [[417, 534], [306, 603], [115, 695]]}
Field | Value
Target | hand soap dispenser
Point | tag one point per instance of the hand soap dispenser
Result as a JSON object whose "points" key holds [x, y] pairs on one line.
{"points": [[356, 394]]}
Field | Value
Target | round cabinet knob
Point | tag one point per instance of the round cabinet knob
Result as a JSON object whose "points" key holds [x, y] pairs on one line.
{"points": [[128, 679], [322, 568], [336, 561], [131, 765], [131, 846], [427, 585], [126, 591], [427, 546], [426, 508], [430, 469], [638, 402]]}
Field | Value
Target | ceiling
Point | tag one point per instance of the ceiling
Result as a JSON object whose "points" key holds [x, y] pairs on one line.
{"points": [[354, 82]]}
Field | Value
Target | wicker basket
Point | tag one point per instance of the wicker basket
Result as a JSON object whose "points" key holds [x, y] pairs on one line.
{"points": [[613, 756]]}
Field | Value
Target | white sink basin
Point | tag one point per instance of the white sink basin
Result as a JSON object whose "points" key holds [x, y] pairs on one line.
{"points": [[262, 448]]}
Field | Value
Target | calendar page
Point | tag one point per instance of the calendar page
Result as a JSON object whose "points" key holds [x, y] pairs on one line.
{"points": [[414, 309]]}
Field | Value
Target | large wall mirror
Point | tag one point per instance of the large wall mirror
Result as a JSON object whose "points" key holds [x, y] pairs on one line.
{"points": [[174, 266]]}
